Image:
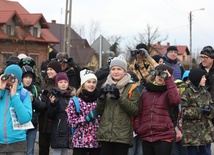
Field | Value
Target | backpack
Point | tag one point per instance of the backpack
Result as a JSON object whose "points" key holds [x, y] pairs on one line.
{"points": [[23, 94]]}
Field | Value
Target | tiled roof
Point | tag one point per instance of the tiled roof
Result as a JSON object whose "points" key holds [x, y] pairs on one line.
{"points": [[10, 9]]}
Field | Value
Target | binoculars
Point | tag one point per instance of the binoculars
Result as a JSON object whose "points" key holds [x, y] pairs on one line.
{"points": [[159, 73], [9, 77], [108, 89], [135, 52]]}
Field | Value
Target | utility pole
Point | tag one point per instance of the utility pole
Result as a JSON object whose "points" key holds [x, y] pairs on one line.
{"points": [[67, 27]]}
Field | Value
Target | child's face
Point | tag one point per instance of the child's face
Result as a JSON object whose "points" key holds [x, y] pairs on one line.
{"points": [[203, 81], [90, 85], [27, 80], [159, 80], [63, 85]]}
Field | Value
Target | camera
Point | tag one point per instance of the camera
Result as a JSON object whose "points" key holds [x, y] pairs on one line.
{"points": [[11, 77], [135, 52], [158, 73], [54, 91], [108, 89]]}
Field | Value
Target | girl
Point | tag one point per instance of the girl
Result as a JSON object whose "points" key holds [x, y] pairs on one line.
{"points": [[86, 122], [154, 124], [57, 112]]}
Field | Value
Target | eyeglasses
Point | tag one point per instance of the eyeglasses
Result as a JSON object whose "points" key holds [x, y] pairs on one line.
{"points": [[25, 62], [204, 57], [176, 52]]}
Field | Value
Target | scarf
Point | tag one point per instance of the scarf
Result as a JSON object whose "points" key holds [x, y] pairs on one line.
{"points": [[88, 96], [119, 84], [153, 87]]}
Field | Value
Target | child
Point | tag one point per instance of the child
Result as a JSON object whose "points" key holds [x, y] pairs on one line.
{"points": [[57, 112], [197, 108], [86, 122], [28, 79], [154, 124]]}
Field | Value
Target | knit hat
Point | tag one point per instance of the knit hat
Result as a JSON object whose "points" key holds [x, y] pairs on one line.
{"points": [[55, 65], [195, 75], [27, 70], [12, 60], [15, 70], [163, 67], [208, 50], [61, 76], [119, 61], [157, 57], [172, 48], [86, 75], [141, 45]]}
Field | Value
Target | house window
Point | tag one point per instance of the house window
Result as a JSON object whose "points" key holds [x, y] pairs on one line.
{"points": [[35, 58], [9, 28], [5, 57], [35, 31]]}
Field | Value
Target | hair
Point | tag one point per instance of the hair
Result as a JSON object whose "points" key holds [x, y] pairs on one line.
{"points": [[79, 90]]}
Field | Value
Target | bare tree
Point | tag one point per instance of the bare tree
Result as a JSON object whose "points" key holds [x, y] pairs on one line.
{"points": [[149, 37]]}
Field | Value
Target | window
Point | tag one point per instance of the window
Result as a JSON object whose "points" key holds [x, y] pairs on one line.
{"points": [[8, 31], [35, 58], [35, 31]]}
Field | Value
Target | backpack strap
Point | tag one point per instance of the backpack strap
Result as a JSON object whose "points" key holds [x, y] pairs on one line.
{"points": [[77, 105], [131, 90], [34, 90], [23, 94]]}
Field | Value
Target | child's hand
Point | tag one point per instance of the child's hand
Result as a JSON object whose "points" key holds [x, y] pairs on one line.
{"points": [[52, 98], [168, 74]]}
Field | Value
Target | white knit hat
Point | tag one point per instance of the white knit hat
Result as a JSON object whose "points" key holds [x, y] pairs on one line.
{"points": [[86, 75], [119, 61]]}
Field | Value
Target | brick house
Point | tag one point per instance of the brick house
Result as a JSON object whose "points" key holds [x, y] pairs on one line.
{"points": [[183, 51], [23, 32]]}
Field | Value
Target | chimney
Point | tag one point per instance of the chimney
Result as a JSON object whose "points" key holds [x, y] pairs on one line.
{"points": [[53, 21]]}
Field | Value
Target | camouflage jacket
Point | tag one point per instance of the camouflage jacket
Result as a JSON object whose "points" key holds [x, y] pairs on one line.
{"points": [[197, 128]]}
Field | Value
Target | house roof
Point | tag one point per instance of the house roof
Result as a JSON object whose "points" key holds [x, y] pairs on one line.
{"points": [[80, 50], [10, 10]]}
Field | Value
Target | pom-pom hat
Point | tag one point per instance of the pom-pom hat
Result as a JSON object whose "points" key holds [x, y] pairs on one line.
{"points": [[119, 61]]}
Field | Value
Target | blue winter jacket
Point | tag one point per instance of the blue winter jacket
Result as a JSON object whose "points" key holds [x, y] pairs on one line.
{"points": [[23, 112]]}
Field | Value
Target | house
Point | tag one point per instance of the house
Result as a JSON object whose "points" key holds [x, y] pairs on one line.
{"points": [[183, 51], [23, 32], [80, 50]]}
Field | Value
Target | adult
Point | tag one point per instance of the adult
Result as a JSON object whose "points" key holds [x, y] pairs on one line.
{"points": [[28, 79], [171, 59], [15, 110], [70, 67], [44, 122], [117, 110]]}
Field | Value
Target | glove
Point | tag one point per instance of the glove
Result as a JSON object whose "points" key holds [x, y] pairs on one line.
{"points": [[206, 109], [115, 94], [102, 94], [144, 53], [91, 116]]}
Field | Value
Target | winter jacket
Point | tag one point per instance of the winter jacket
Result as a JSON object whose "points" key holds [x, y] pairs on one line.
{"points": [[85, 132], [178, 69], [198, 129], [23, 110], [154, 122], [116, 117], [58, 115]]}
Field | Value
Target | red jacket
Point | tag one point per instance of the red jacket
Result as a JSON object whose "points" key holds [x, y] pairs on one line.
{"points": [[154, 122]]}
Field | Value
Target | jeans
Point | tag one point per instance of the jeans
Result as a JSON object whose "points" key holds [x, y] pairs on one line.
{"points": [[136, 149], [31, 138], [60, 151], [199, 150], [179, 149]]}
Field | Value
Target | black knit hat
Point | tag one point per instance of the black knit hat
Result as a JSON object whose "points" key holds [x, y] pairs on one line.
{"points": [[195, 75], [55, 65], [172, 48], [157, 57], [142, 45], [208, 50], [12, 60], [163, 67]]}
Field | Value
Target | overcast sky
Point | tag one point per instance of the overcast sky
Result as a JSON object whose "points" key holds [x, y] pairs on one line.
{"points": [[130, 17]]}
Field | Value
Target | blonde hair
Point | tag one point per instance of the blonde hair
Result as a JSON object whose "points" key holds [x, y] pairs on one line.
{"points": [[79, 90]]}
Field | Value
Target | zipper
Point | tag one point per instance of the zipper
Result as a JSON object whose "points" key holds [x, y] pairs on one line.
{"points": [[5, 119], [153, 103], [58, 124]]}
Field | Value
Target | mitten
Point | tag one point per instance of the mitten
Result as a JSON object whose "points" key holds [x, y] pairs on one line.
{"points": [[102, 94], [205, 109], [115, 94], [91, 116]]}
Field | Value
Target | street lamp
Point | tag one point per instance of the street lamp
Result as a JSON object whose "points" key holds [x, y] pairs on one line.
{"points": [[190, 28]]}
